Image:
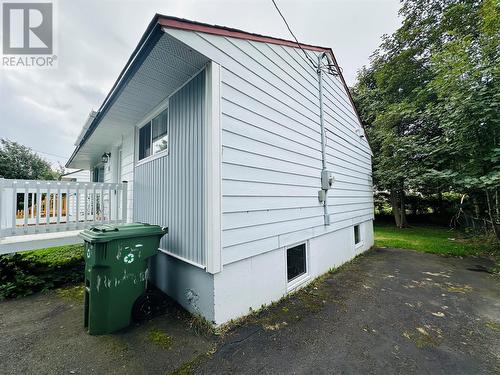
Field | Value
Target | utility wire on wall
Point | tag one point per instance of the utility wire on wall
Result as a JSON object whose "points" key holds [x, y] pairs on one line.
{"points": [[326, 176]]}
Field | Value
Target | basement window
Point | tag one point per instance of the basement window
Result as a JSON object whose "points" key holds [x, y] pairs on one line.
{"points": [[357, 235], [153, 136], [296, 265]]}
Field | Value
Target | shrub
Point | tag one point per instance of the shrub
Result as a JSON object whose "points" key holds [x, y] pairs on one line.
{"points": [[22, 274]]}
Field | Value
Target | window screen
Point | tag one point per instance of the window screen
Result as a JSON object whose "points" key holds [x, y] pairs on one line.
{"points": [[357, 235], [145, 141], [296, 261]]}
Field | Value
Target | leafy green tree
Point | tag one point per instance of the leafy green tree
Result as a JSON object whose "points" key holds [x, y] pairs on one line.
{"points": [[465, 78], [429, 100], [18, 161]]}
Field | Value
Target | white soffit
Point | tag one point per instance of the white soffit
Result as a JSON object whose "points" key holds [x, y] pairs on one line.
{"points": [[167, 67]]}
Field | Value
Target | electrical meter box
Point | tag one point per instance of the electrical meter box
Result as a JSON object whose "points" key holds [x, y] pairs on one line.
{"points": [[327, 179]]}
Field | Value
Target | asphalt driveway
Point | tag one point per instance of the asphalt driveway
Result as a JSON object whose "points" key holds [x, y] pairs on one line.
{"points": [[388, 312]]}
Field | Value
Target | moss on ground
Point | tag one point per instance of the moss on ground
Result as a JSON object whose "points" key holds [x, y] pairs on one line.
{"points": [[188, 368], [493, 326], [424, 337], [455, 288], [160, 338], [72, 293]]}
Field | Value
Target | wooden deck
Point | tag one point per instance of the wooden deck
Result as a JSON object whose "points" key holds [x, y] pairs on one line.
{"points": [[36, 214], [38, 241]]}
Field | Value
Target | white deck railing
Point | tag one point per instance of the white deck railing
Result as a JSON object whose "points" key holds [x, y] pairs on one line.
{"points": [[33, 206]]}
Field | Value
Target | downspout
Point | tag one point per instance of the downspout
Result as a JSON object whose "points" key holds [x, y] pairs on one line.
{"points": [[325, 175]]}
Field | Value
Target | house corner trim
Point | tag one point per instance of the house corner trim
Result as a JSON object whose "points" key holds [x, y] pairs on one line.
{"points": [[212, 170]]}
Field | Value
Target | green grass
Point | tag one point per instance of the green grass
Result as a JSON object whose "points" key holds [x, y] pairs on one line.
{"points": [[433, 239], [25, 273]]}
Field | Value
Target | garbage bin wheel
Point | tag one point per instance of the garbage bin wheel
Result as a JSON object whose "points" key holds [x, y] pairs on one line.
{"points": [[147, 306]]}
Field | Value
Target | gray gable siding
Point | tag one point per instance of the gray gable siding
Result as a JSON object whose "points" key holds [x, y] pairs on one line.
{"points": [[168, 190]]}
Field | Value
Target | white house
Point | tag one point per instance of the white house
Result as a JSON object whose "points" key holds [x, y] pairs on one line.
{"points": [[76, 175], [218, 133]]}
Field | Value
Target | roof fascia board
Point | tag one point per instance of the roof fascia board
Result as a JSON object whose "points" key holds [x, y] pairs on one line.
{"points": [[177, 23]]}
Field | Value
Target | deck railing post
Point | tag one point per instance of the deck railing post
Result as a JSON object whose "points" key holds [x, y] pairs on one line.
{"points": [[117, 204], [38, 206], [14, 207], [1, 205], [77, 206], [85, 205], [94, 204], [26, 209], [124, 201], [110, 201], [47, 208], [59, 205], [101, 207], [67, 205]]}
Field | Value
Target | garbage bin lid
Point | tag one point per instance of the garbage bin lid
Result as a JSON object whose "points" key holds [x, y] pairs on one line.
{"points": [[108, 232]]}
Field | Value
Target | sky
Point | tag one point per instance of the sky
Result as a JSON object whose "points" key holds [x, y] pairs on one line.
{"points": [[45, 109]]}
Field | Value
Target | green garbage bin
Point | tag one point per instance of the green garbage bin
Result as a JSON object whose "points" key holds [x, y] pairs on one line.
{"points": [[116, 272]]}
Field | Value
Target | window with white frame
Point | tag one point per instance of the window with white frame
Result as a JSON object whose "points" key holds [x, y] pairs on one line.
{"points": [[153, 136], [296, 261], [357, 235]]}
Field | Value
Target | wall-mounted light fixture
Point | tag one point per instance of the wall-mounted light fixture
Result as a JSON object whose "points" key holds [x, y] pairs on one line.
{"points": [[105, 157]]}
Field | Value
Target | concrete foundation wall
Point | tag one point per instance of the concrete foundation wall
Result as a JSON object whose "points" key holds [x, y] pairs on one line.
{"points": [[249, 284], [191, 286]]}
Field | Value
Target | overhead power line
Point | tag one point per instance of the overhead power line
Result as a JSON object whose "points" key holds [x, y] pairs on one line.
{"points": [[48, 153], [294, 37]]}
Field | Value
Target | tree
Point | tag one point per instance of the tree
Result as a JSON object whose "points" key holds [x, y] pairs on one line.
{"points": [[429, 101], [18, 161], [466, 72], [392, 105]]}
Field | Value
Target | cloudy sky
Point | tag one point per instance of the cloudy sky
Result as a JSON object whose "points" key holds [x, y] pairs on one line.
{"points": [[45, 109]]}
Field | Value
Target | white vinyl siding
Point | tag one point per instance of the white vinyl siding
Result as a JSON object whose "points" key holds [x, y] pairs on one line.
{"points": [[271, 160]]}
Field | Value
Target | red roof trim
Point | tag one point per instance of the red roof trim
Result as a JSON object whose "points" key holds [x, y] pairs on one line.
{"points": [[233, 33]]}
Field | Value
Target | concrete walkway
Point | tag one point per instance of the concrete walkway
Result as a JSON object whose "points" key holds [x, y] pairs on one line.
{"points": [[388, 312]]}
